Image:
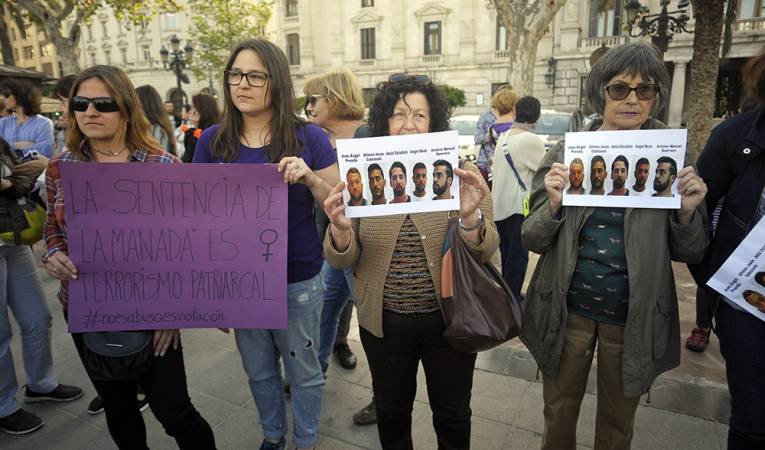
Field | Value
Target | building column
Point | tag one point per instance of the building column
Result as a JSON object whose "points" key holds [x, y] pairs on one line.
{"points": [[677, 95]]}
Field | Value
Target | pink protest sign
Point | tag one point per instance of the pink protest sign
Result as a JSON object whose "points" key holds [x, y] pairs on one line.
{"points": [[176, 246]]}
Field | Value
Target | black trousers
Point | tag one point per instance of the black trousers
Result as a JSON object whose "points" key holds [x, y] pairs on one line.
{"points": [[741, 344], [394, 360], [514, 257], [164, 385]]}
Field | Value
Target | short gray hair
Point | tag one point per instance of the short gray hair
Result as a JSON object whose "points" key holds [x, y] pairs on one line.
{"points": [[634, 58]]}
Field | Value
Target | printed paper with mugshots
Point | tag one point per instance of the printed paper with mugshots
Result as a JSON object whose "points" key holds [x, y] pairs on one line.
{"points": [[399, 174], [624, 169], [741, 278]]}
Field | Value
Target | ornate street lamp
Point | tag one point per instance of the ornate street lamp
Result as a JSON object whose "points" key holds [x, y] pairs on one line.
{"points": [[661, 27], [175, 60], [550, 75]]}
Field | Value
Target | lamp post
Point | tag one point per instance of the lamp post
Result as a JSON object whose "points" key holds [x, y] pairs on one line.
{"points": [[550, 75], [661, 27], [175, 60]]}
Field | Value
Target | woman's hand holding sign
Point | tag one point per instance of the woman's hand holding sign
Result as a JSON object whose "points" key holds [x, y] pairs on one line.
{"points": [[340, 227], [60, 267], [692, 190], [555, 182]]}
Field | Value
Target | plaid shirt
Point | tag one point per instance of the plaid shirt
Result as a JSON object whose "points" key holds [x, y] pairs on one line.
{"points": [[55, 228]]}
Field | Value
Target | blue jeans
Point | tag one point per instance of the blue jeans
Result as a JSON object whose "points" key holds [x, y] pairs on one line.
{"points": [[338, 284], [741, 336], [297, 346], [21, 291]]}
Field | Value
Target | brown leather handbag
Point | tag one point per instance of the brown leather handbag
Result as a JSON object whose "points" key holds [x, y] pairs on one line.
{"points": [[479, 309]]}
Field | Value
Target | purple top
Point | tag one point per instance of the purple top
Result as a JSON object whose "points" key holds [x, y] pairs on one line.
{"points": [[500, 128], [304, 258]]}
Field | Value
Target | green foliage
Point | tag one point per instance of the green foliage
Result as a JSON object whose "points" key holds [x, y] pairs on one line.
{"points": [[455, 97], [299, 104], [219, 25]]}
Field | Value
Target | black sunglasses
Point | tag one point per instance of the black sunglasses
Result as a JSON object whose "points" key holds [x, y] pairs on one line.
{"points": [[102, 104], [621, 91], [422, 80]]}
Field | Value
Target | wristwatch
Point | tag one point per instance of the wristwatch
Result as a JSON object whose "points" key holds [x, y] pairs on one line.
{"points": [[477, 224]]}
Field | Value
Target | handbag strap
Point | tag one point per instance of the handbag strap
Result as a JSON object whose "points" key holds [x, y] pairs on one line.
{"points": [[512, 166]]}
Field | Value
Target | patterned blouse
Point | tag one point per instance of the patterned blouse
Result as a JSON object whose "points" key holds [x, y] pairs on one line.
{"points": [[409, 287]]}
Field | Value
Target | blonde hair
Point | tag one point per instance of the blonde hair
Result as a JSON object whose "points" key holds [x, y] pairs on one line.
{"points": [[133, 128], [504, 99], [342, 92]]}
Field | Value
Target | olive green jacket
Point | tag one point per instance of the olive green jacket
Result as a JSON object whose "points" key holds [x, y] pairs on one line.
{"points": [[652, 238]]}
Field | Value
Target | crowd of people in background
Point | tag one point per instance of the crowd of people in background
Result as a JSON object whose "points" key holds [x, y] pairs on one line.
{"points": [[603, 282]]}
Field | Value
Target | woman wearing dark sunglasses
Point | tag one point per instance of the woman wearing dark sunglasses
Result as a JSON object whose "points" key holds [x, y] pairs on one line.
{"points": [[259, 126], [397, 279], [106, 125], [335, 103], [604, 279]]}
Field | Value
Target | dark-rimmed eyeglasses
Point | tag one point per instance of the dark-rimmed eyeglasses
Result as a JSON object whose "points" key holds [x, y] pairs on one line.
{"points": [[620, 91], [254, 78], [102, 104], [311, 99], [422, 80]]}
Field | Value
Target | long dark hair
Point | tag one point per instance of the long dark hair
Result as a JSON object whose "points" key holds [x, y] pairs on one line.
{"points": [[133, 127], [390, 92], [154, 110], [207, 110], [282, 139]]}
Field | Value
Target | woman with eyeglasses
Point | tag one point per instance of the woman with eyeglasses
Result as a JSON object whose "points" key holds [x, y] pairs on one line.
{"points": [[259, 126], [604, 279], [335, 103], [397, 279], [107, 125]]}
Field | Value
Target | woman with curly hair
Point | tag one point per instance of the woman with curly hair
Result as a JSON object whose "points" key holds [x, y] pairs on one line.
{"points": [[397, 278], [26, 130]]}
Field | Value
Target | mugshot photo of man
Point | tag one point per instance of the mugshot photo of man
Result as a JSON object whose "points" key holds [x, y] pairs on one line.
{"points": [[576, 177], [420, 180], [355, 187], [397, 175], [642, 169], [598, 175], [443, 177], [377, 184], [619, 172], [666, 172], [760, 278]]}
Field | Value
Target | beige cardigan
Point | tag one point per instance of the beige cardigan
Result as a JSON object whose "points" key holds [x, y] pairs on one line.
{"points": [[371, 249]]}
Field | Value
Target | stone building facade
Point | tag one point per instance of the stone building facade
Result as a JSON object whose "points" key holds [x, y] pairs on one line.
{"points": [[461, 43]]}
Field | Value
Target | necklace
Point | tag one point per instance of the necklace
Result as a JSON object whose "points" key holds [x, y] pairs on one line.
{"points": [[109, 152]]}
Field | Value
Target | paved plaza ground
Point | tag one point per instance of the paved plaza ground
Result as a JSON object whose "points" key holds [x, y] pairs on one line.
{"points": [[688, 408]]}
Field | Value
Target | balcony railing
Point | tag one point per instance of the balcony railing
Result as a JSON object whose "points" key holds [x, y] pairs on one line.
{"points": [[431, 59], [754, 24], [501, 54], [366, 62], [600, 41]]}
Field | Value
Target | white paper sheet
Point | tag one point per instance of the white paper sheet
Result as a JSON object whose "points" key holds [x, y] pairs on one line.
{"points": [[433, 154], [742, 277], [618, 161]]}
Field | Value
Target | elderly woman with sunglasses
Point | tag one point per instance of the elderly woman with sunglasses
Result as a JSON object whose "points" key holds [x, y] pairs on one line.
{"points": [[107, 125], [604, 279], [397, 279]]}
